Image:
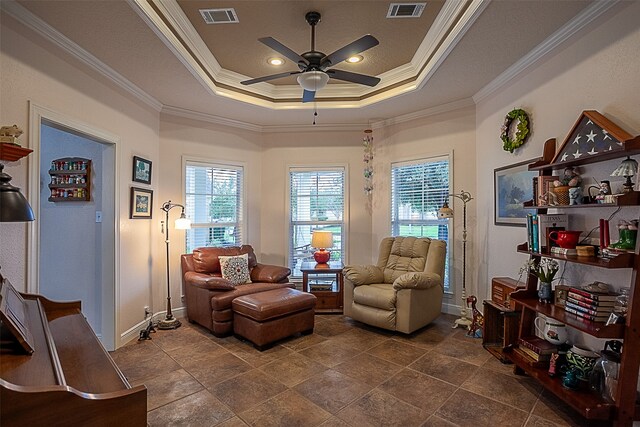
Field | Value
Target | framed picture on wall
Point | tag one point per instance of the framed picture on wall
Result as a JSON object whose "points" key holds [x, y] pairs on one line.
{"points": [[141, 170], [513, 185], [141, 203]]}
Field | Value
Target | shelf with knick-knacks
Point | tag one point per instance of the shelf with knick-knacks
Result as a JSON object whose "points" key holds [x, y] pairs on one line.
{"points": [[70, 180]]}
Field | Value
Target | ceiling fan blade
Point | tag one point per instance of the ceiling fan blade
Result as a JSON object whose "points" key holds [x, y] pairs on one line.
{"points": [[282, 49], [271, 77], [348, 76], [353, 48], [308, 96]]}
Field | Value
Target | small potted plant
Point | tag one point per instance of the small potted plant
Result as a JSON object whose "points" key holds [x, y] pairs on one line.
{"points": [[545, 271]]}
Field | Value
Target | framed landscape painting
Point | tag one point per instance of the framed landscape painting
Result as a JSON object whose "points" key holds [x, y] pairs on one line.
{"points": [[513, 185], [141, 203], [141, 170]]}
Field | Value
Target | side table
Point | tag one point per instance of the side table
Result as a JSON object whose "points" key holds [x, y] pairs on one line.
{"points": [[329, 295]]}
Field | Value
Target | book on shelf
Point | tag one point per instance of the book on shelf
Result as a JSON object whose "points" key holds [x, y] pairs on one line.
{"points": [[594, 296], [537, 345], [529, 360], [589, 303], [598, 311], [563, 251], [548, 223], [535, 356], [585, 316]]}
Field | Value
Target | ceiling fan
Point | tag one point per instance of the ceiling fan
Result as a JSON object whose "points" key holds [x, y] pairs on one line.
{"points": [[315, 66]]}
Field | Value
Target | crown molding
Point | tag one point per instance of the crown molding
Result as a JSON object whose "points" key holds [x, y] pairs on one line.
{"points": [[576, 24], [209, 118], [36, 24], [432, 111], [238, 124]]}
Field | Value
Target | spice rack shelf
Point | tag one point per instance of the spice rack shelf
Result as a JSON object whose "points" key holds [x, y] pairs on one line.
{"points": [[70, 180]]}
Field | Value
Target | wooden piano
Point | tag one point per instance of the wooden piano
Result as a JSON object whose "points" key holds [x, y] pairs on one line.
{"points": [[54, 371]]}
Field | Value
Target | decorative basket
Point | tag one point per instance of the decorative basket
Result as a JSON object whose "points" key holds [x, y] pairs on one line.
{"points": [[562, 195]]}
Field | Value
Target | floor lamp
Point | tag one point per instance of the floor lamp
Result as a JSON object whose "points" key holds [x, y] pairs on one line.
{"points": [[182, 223], [447, 212]]}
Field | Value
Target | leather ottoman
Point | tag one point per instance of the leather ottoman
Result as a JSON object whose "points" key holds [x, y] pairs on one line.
{"points": [[266, 317]]}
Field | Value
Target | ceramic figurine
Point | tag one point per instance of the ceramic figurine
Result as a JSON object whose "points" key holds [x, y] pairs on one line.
{"points": [[475, 329], [570, 177]]}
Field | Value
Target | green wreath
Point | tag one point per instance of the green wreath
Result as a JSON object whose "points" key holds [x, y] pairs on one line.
{"points": [[522, 133]]}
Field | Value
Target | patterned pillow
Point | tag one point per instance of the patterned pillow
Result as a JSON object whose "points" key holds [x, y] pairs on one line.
{"points": [[235, 268]]}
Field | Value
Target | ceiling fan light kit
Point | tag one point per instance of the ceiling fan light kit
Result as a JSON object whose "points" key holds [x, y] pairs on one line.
{"points": [[315, 66], [313, 80]]}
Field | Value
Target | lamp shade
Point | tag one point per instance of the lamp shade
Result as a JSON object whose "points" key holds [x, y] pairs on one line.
{"points": [[183, 223], [445, 211], [313, 80], [322, 239], [13, 206], [628, 167]]}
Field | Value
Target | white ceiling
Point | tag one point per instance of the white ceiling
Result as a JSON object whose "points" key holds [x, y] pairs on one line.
{"points": [[482, 41]]}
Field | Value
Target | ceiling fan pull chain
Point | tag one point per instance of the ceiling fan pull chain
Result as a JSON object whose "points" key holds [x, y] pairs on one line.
{"points": [[315, 112]]}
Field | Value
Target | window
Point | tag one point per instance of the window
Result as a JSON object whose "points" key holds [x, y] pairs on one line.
{"points": [[214, 202], [418, 190], [316, 202]]}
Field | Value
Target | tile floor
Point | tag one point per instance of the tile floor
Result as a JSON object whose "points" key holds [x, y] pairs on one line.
{"points": [[344, 374]]}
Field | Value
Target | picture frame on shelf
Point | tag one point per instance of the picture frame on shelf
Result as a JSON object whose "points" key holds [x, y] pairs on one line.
{"points": [[141, 203], [513, 185], [141, 170]]}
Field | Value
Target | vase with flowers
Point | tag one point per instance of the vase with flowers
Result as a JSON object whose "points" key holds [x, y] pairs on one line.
{"points": [[545, 271]]}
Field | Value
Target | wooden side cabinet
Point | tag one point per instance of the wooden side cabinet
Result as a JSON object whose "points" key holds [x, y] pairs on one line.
{"points": [[500, 331]]}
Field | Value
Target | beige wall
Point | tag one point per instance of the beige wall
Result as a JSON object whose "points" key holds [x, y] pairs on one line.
{"points": [[283, 150], [33, 70], [184, 138], [452, 134], [596, 70]]}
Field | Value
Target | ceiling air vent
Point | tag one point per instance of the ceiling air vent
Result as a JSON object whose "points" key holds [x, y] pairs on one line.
{"points": [[405, 10], [219, 16]]}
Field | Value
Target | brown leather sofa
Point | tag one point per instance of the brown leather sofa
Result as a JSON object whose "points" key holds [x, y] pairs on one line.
{"points": [[209, 296]]}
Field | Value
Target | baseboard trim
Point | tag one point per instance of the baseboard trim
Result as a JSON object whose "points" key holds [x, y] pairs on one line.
{"points": [[451, 309], [134, 332]]}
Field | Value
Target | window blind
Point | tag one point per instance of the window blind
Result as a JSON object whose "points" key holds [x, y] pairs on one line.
{"points": [[316, 203], [418, 190], [214, 204]]}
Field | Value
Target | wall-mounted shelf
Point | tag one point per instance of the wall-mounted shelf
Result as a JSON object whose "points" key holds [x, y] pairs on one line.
{"points": [[70, 180], [621, 261], [626, 199], [12, 152]]}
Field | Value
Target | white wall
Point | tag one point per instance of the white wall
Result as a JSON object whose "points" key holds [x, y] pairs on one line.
{"points": [[34, 70], [446, 133], [284, 150], [183, 138], [597, 69]]}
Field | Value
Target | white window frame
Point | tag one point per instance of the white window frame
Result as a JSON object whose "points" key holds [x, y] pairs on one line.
{"points": [[222, 164], [345, 215], [449, 287]]}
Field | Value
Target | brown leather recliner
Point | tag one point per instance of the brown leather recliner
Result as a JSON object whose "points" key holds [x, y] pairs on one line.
{"points": [[209, 296]]}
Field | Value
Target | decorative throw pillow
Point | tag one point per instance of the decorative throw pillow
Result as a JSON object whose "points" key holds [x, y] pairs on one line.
{"points": [[235, 268]]}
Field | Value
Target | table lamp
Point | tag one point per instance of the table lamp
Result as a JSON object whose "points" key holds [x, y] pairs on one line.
{"points": [[322, 240], [628, 168]]}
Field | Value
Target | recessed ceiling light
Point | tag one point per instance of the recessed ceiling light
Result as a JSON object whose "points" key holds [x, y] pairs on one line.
{"points": [[354, 59], [275, 61]]}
